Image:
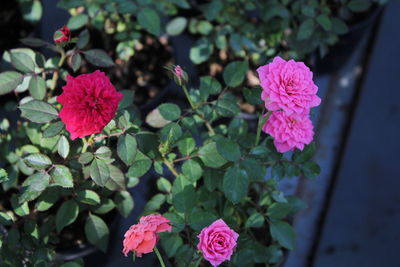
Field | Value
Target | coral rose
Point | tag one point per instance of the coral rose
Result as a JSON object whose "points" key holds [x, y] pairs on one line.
{"points": [[141, 238], [288, 85], [289, 132], [89, 102], [217, 242]]}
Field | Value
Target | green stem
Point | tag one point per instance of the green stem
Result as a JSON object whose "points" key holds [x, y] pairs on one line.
{"points": [[171, 167], [188, 96], [261, 121], [198, 261], [85, 145], [159, 257], [62, 59]]}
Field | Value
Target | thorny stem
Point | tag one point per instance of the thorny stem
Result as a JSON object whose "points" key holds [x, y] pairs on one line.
{"points": [[56, 73], [171, 167], [103, 136], [186, 158], [261, 121], [159, 257]]}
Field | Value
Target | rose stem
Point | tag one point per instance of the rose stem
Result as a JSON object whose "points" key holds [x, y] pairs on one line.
{"points": [[261, 121], [159, 257]]}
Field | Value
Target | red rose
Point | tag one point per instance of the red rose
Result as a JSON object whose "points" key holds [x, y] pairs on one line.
{"points": [[62, 35], [89, 102]]}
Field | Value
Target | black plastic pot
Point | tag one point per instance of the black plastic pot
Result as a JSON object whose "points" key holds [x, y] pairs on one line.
{"points": [[339, 53]]}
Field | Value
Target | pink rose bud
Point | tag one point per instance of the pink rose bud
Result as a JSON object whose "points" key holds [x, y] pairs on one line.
{"points": [[217, 242], [62, 36], [288, 86], [178, 71], [89, 102], [289, 131], [141, 238]]}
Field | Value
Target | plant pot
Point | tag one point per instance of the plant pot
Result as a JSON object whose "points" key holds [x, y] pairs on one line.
{"points": [[341, 51]]}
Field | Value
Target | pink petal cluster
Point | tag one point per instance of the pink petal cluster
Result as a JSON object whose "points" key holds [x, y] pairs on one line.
{"points": [[290, 92], [141, 238], [63, 35], [217, 242], [288, 85], [178, 71], [289, 131], [89, 102]]}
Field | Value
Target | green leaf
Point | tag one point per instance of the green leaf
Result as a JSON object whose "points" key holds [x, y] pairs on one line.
{"points": [[63, 147], [88, 197], [254, 168], [227, 108], [253, 96], [124, 203], [305, 155], [171, 132], [210, 156], [278, 171], [53, 129], [98, 58], [210, 85], [140, 165], [127, 148], [38, 111], [186, 145], [170, 111], [37, 161], [83, 39], [164, 185], [235, 73], [192, 170], [359, 5], [66, 214], [176, 26], [77, 21], [278, 211], [22, 62], [127, 100], [155, 203], [99, 172], [235, 184], [201, 51], [212, 179], [37, 87], [117, 178], [97, 232], [5, 219], [47, 199], [32, 11], [185, 200], [200, 219], [3, 175], [62, 176], [325, 21], [178, 223], [20, 208], [9, 80], [85, 158], [171, 243], [339, 27], [256, 220], [149, 20], [103, 152], [306, 29], [76, 60], [105, 206], [283, 233], [228, 149], [310, 169]]}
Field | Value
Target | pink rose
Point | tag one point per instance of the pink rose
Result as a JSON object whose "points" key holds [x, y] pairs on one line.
{"points": [[289, 132], [89, 102], [178, 71], [217, 242], [288, 85], [141, 238]]}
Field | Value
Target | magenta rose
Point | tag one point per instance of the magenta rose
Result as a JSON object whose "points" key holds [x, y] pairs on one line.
{"points": [[89, 102], [288, 86], [289, 132], [217, 242]]}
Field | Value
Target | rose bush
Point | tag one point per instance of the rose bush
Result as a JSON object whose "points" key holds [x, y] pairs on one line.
{"points": [[80, 143]]}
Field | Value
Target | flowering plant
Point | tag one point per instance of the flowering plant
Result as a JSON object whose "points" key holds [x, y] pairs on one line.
{"points": [[81, 143]]}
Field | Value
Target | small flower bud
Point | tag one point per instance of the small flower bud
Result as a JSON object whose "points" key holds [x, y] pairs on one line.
{"points": [[180, 76], [62, 36]]}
